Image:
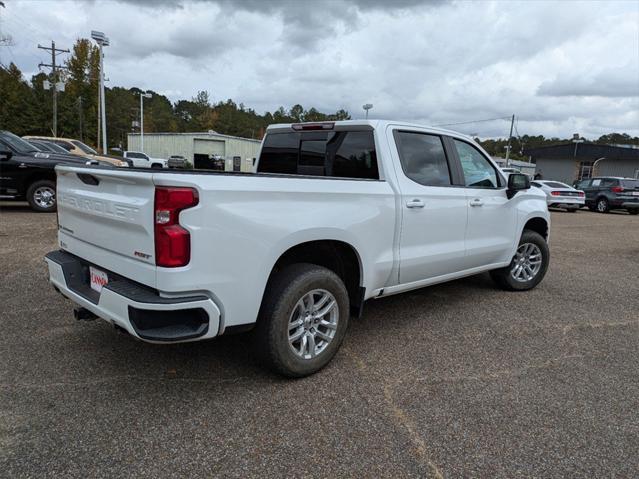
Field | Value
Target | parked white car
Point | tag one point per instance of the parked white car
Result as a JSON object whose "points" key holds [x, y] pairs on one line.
{"points": [[142, 160], [337, 213], [561, 195]]}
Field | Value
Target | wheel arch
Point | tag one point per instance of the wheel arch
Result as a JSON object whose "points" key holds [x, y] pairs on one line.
{"points": [[37, 176], [539, 225], [336, 255]]}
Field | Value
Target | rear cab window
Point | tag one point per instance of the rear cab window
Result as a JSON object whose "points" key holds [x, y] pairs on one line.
{"points": [[336, 154], [556, 184], [630, 184]]}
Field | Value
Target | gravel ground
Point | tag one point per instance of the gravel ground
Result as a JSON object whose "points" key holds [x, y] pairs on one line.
{"points": [[456, 380]]}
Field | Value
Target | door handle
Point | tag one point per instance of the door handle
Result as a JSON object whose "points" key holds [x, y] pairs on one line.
{"points": [[476, 202], [22, 165], [415, 203]]}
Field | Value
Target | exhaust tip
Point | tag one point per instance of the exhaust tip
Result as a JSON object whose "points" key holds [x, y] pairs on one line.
{"points": [[83, 314]]}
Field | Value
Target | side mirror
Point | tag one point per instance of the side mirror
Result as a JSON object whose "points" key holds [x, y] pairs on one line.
{"points": [[517, 182], [5, 155]]}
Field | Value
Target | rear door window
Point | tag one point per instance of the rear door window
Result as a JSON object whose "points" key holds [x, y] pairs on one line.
{"points": [[338, 154], [67, 146], [423, 158]]}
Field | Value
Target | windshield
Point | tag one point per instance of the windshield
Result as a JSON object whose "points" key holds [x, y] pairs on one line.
{"points": [[38, 146], [83, 147], [17, 143]]}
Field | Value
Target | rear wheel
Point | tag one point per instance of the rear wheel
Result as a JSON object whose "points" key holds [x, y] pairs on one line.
{"points": [[528, 266], [602, 205], [41, 196], [303, 319], [156, 165], [633, 212]]}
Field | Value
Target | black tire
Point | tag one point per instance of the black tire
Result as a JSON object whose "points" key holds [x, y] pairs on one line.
{"points": [[35, 196], [592, 208], [602, 205], [284, 290], [633, 212], [503, 278], [156, 165], [571, 210]]}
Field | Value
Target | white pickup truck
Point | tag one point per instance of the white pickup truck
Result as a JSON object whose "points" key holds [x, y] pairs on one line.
{"points": [[142, 160], [337, 213]]}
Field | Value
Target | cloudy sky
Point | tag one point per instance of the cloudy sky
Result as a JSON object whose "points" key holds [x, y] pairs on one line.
{"points": [[560, 67]]}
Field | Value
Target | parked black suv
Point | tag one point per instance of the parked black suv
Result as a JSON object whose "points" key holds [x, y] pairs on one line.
{"points": [[29, 173], [607, 193]]}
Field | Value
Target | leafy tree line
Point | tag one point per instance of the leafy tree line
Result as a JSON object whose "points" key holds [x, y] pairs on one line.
{"points": [[26, 108]]}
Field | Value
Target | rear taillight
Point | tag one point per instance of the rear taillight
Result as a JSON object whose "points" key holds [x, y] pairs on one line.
{"points": [[172, 242], [581, 193], [617, 189], [555, 193]]}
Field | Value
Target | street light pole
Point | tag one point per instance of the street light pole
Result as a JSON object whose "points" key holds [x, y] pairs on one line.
{"points": [[367, 107], [142, 97], [594, 165], [102, 41]]}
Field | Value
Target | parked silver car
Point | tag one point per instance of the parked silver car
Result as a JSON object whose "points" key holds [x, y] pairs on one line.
{"points": [[561, 195]]}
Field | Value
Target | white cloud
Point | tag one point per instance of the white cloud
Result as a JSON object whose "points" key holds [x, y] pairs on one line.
{"points": [[561, 67]]}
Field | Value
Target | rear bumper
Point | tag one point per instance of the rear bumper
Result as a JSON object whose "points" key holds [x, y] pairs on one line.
{"points": [[566, 202], [630, 205], [138, 309]]}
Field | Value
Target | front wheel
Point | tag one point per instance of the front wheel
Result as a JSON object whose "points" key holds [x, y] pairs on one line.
{"points": [[303, 319], [41, 196], [528, 266]]}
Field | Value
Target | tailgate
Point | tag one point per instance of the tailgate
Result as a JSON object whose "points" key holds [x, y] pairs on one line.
{"points": [[105, 216]]}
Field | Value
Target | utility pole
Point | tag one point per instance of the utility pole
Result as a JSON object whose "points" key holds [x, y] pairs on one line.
{"points": [[510, 135], [102, 40], [54, 74], [142, 97]]}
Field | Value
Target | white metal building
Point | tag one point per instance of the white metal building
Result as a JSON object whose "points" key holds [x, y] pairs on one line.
{"points": [[200, 148]]}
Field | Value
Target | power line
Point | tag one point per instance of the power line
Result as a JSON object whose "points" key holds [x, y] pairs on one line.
{"points": [[474, 121]]}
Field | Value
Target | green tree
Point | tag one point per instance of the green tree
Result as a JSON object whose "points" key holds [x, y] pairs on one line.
{"points": [[17, 101]]}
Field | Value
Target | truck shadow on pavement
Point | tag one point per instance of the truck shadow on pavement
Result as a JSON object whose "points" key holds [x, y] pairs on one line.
{"points": [[228, 358]]}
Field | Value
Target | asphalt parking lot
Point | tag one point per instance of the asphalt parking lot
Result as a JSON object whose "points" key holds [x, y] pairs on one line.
{"points": [[455, 380]]}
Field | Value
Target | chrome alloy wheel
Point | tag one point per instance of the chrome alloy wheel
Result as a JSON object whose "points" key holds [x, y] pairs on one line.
{"points": [[313, 323], [602, 206], [526, 263], [44, 197]]}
